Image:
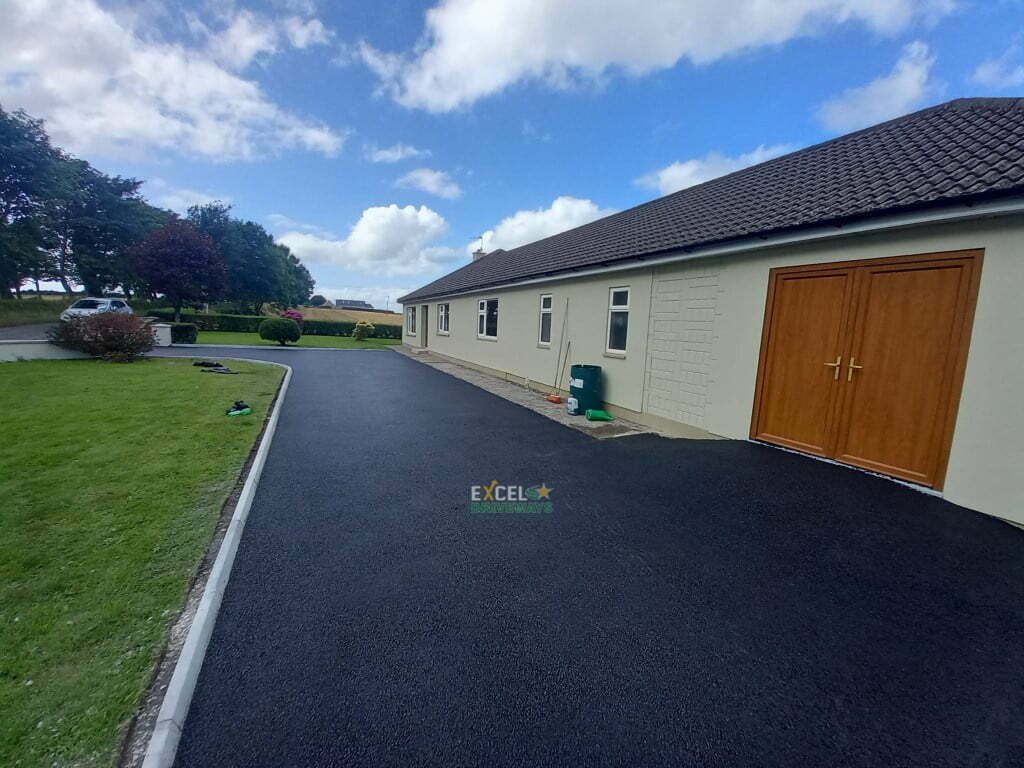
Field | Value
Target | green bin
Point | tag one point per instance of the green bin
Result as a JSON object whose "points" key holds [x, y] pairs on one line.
{"points": [[585, 389]]}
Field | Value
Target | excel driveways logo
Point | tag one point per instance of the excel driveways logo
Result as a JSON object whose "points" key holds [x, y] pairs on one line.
{"points": [[502, 499]]}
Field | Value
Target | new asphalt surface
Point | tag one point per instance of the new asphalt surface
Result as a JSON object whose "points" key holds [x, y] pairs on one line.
{"points": [[704, 603], [25, 332]]}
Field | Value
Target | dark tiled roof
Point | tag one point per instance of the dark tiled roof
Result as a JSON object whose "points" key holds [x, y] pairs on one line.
{"points": [[955, 152]]}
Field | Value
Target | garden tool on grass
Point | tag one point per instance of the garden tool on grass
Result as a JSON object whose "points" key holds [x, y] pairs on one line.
{"points": [[240, 408]]}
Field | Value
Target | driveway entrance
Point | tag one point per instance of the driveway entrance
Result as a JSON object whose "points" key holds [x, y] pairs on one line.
{"points": [[715, 603]]}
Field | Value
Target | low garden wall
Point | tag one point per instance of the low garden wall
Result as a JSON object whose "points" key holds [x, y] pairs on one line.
{"points": [[12, 351]]}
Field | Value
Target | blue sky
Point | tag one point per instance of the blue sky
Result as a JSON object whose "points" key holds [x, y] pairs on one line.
{"points": [[379, 141]]}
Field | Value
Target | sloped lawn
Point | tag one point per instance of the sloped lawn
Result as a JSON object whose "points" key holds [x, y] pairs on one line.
{"points": [[333, 342], [111, 482]]}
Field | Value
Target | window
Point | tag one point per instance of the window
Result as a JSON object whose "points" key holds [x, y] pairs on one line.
{"points": [[442, 318], [618, 319], [545, 319], [487, 319], [410, 320]]}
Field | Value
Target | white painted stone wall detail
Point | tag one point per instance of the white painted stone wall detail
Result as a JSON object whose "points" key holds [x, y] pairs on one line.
{"points": [[682, 326]]}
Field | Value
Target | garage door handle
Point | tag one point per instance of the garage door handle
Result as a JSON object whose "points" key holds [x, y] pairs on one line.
{"points": [[849, 371], [835, 367]]}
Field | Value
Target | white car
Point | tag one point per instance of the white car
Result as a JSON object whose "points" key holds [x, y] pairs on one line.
{"points": [[90, 306]]}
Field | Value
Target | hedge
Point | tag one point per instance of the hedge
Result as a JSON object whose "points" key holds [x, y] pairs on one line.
{"points": [[251, 324], [237, 323], [184, 333]]}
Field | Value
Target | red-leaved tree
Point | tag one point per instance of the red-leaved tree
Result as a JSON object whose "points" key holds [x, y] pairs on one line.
{"points": [[182, 263]]}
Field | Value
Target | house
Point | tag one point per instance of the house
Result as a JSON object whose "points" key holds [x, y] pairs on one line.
{"points": [[859, 300], [352, 304]]}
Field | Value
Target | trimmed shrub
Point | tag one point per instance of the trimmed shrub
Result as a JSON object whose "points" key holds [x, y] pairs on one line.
{"points": [[280, 329], [363, 330], [111, 336], [184, 333], [317, 300]]}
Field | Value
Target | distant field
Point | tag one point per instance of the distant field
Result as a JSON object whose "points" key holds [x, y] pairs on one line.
{"points": [[351, 315]]}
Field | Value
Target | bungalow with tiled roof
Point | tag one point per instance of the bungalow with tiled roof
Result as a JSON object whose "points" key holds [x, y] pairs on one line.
{"points": [[859, 300]]}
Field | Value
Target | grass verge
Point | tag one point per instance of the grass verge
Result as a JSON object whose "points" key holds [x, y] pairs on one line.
{"points": [[114, 476], [332, 342], [33, 310]]}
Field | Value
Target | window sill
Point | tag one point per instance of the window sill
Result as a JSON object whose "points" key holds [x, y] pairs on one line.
{"points": [[486, 338], [542, 345], [614, 355], [444, 333]]}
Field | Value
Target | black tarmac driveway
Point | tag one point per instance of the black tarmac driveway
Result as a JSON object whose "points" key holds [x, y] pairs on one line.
{"points": [[698, 603]]}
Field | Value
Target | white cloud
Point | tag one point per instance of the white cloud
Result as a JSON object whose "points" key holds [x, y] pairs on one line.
{"points": [[906, 87], [303, 34], [434, 182], [526, 226], [106, 87], [474, 48], [177, 199], [249, 36], [304, 7], [686, 173], [386, 240], [1004, 71], [243, 40], [280, 222], [394, 153]]}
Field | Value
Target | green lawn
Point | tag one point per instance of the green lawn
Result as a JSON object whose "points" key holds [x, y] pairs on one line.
{"points": [[334, 342], [31, 310], [112, 480]]}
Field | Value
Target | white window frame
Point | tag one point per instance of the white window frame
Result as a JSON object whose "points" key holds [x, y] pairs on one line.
{"points": [[481, 315], [444, 319], [410, 321], [608, 327], [540, 319]]}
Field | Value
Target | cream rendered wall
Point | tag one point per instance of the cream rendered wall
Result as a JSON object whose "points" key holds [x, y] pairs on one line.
{"points": [[987, 456], [695, 334], [517, 350]]}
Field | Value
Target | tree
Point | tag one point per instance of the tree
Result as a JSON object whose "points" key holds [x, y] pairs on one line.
{"points": [[92, 220], [181, 263], [298, 284], [317, 300], [280, 329], [255, 272], [26, 180]]}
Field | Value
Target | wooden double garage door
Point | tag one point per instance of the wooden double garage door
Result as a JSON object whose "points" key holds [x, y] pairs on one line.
{"points": [[862, 361]]}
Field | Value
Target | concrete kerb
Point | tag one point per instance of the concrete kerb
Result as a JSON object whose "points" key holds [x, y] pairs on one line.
{"points": [[163, 743]]}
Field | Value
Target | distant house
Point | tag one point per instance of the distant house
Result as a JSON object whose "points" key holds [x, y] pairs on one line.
{"points": [[858, 300], [352, 304]]}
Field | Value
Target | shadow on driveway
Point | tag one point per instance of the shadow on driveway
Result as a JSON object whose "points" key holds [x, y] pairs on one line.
{"points": [[714, 603]]}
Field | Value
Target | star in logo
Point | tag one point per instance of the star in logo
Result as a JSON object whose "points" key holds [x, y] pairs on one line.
{"points": [[543, 492]]}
